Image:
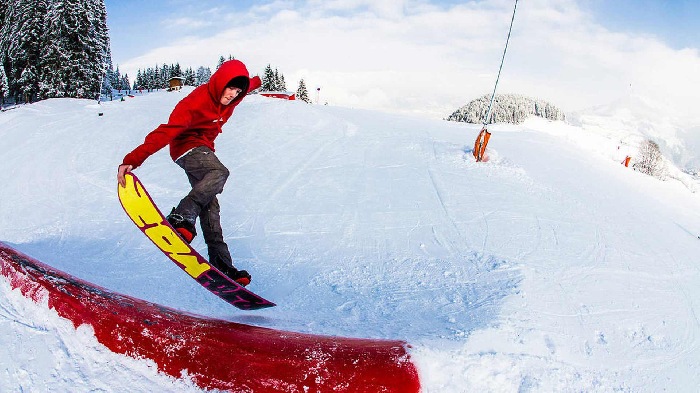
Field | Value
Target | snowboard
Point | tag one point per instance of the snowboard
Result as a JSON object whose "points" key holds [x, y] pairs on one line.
{"points": [[139, 206]]}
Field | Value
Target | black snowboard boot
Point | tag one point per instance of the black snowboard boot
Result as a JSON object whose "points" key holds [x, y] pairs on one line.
{"points": [[242, 277], [182, 226]]}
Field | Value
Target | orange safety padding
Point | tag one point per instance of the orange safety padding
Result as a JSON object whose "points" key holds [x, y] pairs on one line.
{"points": [[480, 144]]}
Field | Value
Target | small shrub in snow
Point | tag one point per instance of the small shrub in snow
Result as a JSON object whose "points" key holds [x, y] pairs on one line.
{"points": [[650, 160]]}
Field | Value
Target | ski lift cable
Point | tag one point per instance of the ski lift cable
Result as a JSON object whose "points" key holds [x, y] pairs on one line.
{"points": [[493, 95]]}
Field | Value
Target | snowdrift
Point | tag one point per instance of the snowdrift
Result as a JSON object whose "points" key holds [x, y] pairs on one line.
{"points": [[214, 354]]}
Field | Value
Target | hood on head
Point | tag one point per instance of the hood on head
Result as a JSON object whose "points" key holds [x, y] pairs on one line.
{"points": [[230, 71], [240, 82]]}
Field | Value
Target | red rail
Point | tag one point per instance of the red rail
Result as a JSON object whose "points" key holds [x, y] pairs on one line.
{"points": [[215, 354]]}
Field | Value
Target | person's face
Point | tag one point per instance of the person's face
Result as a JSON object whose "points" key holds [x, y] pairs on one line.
{"points": [[229, 94]]}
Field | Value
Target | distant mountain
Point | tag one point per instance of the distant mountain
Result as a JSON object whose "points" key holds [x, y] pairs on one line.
{"points": [[507, 108], [634, 118]]}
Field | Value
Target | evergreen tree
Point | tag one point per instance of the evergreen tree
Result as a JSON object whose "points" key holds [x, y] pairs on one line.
{"points": [[27, 81], [9, 13], [75, 47], [273, 80], [4, 7], [116, 76], [155, 79], [175, 70], [100, 31], [268, 80], [163, 77], [203, 75], [279, 81], [124, 83], [24, 50], [138, 82], [108, 82], [222, 59], [303, 93], [4, 87], [190, 78]]}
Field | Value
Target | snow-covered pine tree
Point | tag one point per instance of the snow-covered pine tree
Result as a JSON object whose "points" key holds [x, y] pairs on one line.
{"points": [[109, 82], [273, 80], [27, 81], [203, 75], [190, 78], [4, 10], [101, 36], [9, 13], [138, 82], [176, 70], [222, 59], [302, 92], [164, 76], [76, 47], [25, 47], [124, 83], [4, 87], [4, 23], [268, 79], [280, 85], [116, 75], [154, 78], [142, 80]]}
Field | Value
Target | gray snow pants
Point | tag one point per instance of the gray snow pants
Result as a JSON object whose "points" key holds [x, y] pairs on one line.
{"points": [[207, 176]]}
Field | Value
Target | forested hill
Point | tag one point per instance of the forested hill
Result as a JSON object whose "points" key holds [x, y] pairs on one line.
{"points": [[507, 108]]}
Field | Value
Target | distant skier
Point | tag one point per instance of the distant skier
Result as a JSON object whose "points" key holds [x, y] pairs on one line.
{"points": [[191, 129]]}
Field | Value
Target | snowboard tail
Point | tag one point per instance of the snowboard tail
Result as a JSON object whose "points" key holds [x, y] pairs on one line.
{"points": [[139, 206]]}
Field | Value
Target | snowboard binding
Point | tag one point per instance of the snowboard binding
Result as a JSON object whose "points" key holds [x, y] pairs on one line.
{"points": [[183, 227]]}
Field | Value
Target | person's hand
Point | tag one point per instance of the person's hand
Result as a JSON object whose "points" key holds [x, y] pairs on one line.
{"points": [[123, 169]]}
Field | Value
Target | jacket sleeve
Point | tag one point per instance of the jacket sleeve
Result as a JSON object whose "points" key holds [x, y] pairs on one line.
{"points": [[255, 83], [179, 121]]}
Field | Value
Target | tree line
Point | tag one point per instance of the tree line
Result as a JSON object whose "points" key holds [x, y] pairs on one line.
{"points": [[274, 81], [61, 48], [507, 108], [158, 77]]}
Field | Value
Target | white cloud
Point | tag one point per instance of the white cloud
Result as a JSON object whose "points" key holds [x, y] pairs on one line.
{"points": [[416, 57], [186, 23]]}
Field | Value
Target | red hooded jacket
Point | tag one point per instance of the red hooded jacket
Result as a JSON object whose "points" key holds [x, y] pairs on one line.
{"points": [[197, 119]]}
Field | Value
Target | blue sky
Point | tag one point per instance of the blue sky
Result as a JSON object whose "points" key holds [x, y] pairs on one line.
{"points": [[676, 22], [136, 26], [370, 53]]}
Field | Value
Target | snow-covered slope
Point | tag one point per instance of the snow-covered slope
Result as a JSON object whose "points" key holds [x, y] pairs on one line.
{"points": [[633, 118], [549, 268]]}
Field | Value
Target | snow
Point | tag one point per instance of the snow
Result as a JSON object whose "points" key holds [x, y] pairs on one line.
{"points": [[632, 118], [551, 267]]}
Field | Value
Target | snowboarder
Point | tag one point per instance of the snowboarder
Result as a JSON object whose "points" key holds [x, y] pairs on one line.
{"points": [[191, 129]]}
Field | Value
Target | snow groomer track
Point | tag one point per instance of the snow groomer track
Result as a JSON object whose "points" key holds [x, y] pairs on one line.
{"points": [[215, 354]]}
